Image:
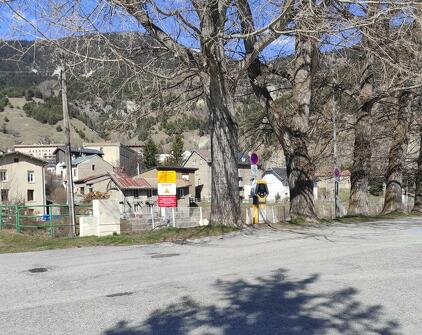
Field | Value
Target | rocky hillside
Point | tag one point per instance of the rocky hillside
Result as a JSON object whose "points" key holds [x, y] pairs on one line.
{"points": [[37, 118], [16, 128]]}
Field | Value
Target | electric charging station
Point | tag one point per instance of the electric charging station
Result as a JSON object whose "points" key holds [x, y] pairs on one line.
{"points": [[259, 201]]}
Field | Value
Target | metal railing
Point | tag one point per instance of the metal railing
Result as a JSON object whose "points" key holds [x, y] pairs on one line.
{"points": [[152, 218], [39, 219]]}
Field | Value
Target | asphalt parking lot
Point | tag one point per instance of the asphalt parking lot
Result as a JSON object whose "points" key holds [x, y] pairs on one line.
{"points": [[361, 278]]}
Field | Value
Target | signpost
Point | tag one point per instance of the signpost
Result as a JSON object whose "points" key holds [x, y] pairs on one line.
{"points": [[254, 166], [166, 188], [337, 175]]}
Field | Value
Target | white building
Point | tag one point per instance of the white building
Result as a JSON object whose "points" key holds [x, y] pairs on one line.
{"points": [[277, 182]]}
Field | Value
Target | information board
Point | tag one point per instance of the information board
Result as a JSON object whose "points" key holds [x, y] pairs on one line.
{"points": [[166, 188]]}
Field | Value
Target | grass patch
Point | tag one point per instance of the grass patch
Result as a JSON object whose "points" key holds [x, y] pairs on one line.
{"points": [[298, 221], [362, 218], [14, 242]]}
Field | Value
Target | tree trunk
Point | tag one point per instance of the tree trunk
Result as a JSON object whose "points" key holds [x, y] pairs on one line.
{"points": [[418, 193], [225, 199], [300, 168], [396, 157], [358, 200], [290, 126]]}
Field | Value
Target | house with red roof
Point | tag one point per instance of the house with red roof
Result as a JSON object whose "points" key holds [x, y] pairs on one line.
{"points": [[132, 193]]}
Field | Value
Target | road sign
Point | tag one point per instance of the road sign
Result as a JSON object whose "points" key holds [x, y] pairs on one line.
{"points": [[166, 188], [167, 201], [166, 177], [254, 159], [337, 173]]}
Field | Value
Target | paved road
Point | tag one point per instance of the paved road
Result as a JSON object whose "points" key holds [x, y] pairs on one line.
{"points": [[346, 279]]}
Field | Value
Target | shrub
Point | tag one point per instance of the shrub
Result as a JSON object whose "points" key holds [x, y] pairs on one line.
{"points": [[59, 128], [4, 101], [38, 94], [376, 188], [81, 133], [29, 94], [14, 92], [45, 113], [6, 119]]}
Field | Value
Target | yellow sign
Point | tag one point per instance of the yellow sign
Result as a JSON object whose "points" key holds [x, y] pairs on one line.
{"points": [[166, 177]]}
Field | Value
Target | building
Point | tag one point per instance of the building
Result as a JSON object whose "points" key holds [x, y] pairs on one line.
{"points": [[87, 166], [185, 181], [200, 159], [60, 157], [41, 151], [75, 153], [139, 148], [277, 182], [118, 155], [131, 193], [22, 180]]}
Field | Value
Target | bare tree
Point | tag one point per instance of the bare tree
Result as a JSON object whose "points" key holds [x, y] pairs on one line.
{"points": [[393, 196], [418, 193], [291, 125], [217, 73]]}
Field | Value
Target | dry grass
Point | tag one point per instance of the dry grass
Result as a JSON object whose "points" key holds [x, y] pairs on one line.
{"points": [[11, 241]]}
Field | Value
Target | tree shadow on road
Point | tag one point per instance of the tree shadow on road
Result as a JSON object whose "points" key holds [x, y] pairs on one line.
{"points": [[272, 305]]}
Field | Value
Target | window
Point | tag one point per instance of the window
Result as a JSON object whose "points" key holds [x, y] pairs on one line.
{"points": [[4, 195], [181, 192], [90, 188], [30, 177], [3, 175], [15, 160], [136, 193], [75, 172], [30, 195], [93, 167], [185, 176], [149, 193], [82, 190]]}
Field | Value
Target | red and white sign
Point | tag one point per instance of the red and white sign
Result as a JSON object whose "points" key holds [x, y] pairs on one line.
{"points": [[166, 188], [167, 201]]}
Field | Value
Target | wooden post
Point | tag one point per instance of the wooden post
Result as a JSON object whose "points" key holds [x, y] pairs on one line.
{"points": [[68, 152]]}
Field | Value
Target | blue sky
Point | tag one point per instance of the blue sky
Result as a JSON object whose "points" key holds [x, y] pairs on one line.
{"points": [[13, 27]]}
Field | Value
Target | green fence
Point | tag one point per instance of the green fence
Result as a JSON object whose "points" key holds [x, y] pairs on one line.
{"points": [[51, 219]]}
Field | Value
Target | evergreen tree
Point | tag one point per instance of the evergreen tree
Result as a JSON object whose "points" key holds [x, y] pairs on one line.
{"points": [[177, 150], [149, 154]]}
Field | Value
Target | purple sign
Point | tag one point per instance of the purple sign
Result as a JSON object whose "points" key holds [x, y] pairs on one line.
{"points": [[337, 172], [254, 159]]}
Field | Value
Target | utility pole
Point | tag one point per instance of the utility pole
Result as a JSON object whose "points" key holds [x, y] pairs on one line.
{"points": [[68, 151], [334, 111]]}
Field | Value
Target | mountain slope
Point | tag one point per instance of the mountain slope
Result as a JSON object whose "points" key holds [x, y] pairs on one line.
{"points": [[17, 128]]}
